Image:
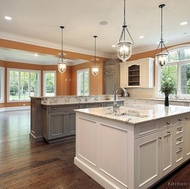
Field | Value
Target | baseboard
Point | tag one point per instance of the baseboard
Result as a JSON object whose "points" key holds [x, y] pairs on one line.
{"points": [[16, 108]]}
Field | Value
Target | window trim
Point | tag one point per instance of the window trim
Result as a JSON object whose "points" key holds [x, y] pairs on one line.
{"points": [[8, 82], [2, 70], [44, 83]]}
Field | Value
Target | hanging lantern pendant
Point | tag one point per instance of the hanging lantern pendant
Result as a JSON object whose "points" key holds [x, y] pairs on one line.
{"points": [[124, 48]]}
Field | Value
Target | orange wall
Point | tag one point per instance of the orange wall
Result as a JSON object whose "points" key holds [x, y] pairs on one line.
{"points": [[66, 82]]}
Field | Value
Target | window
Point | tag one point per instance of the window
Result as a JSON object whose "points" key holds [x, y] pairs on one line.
{"points": [[49, 83], [2, 84], [177, 68], [83, 82], [22, 84]]}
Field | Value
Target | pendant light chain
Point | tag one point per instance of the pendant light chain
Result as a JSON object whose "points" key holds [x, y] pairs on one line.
{"points": [[95, 49], [62, 54]]}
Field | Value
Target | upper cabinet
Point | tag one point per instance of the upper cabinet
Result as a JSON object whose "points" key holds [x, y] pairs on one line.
{"points": [[111, 75], [137, 73]]}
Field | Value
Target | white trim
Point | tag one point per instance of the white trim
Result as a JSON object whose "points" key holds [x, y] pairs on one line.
{"points": [[44, 81], [16, 108], [21, 70], [2, 80]]}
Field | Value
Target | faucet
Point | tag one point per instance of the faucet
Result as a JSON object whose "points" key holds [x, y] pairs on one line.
{"points": [[115, 105]]}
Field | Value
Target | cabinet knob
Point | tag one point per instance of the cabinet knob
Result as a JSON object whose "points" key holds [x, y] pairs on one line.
{"points": [[180, 119], [168, 123], [168, 132], [159, 137], [54, 108], [186, 118]]}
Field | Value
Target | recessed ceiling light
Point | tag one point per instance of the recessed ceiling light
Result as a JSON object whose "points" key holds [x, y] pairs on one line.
{"points": [[8, 17], [103, 22], [35, 54], [113, 45], [183, 23], [141, 37]]}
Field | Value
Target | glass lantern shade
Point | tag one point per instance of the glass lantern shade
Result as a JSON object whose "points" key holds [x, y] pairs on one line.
{"points": [[95, 70], [62, 67], [124, 50], [161, 59]]}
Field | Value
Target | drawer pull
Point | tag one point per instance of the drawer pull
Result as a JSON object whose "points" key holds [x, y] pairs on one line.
{"points": [[168, 123], [168, 132], [186, 118], [159, 137], [54, 108], [180, 119], [180, 149]]}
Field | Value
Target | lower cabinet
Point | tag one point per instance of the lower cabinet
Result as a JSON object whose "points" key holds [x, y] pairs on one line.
{"points": [[160, 152], [58, 122]]}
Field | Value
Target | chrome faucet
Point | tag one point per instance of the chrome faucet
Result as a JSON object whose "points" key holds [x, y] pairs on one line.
{"points": [[115, 105]]}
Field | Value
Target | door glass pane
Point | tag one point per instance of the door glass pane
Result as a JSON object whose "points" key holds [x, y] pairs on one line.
{"points": [[24, 86], [34, 84], [14, 85], [50, 84]]}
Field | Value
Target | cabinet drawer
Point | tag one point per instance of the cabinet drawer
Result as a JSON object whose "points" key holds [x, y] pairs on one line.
{"points": [[178, 154], [146, 128], [62, 108], [165, 123]]}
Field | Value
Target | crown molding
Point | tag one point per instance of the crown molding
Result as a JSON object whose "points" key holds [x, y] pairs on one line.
{"points": [[42, 43]]}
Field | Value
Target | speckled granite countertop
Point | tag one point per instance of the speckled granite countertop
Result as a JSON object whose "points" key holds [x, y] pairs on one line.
{"points": [[135, 114]]}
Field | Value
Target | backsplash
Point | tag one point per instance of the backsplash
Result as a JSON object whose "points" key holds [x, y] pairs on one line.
{"points": [[141, 93]]}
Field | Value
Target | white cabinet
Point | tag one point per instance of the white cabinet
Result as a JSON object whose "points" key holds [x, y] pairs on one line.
{"points": [[187, 137], [147, 153], [137, 73], [154, 153]]}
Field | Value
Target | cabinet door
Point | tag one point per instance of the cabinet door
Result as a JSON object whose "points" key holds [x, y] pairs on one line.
{"points": [[71, 123], [57, 125], [166, 139], [123, 75], [109, 83], [147, 157]]}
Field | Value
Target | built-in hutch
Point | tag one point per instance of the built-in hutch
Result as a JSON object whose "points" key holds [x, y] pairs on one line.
{"points": [[137, 73]]}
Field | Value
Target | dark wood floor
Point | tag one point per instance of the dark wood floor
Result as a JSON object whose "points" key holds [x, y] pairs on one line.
{"points": [[28, 165]]}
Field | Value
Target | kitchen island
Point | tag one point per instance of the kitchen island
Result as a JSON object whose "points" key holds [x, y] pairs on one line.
{"points": [[53, 118], [134, 148]]}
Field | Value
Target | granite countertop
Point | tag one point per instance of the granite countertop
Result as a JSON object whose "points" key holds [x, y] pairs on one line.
{"points": [[77, 102], [135, 114]]}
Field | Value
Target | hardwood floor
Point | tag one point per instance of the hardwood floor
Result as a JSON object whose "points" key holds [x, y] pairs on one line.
{"points": [[28, 165]]}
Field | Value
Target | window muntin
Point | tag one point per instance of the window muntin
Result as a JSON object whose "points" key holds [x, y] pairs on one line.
{"points": [[22, 84], [83, 82], [49, 83], [178, 68]]}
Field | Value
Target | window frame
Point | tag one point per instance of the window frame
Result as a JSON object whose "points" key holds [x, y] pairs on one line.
{"points": [[44, 81], [21, 70], [2, 85], [78, 81], [179, 95]]}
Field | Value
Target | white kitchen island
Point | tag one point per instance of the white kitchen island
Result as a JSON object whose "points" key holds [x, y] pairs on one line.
{"points": [[135, 148]]}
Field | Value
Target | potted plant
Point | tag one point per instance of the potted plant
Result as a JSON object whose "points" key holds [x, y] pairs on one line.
{"points": [[168, 86]]}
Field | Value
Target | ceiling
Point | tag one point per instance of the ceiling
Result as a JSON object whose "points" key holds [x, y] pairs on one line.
{"points": [[38, 22]]}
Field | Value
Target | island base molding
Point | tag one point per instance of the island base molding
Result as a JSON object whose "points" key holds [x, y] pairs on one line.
{"points": [[94, 174]]}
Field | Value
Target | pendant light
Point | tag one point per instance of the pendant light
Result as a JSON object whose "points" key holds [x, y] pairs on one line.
{"points": [[95, 67], [124, 48], [161, 57], [61, 61]]}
